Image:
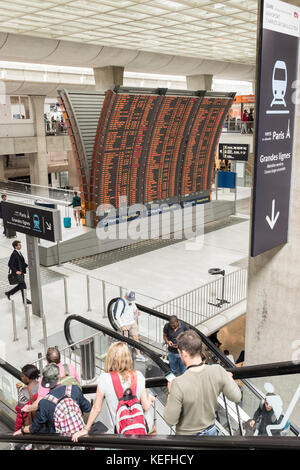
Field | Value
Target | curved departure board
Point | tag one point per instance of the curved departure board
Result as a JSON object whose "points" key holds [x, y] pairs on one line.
{"points": [[149, 145], [165, 149], [204, 135], [123, 145]]}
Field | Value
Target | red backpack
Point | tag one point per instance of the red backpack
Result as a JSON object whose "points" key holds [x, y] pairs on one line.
{"points": [[129, 415]]}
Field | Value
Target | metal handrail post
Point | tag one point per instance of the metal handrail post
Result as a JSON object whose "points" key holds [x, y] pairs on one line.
{"points": [[104, 299], [88, 289], [27, 320], [66, 296], [45, 336], [13, 312]]}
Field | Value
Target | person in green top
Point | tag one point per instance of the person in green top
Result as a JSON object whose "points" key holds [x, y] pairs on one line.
{"points": [[193, 396], [76, 203]]}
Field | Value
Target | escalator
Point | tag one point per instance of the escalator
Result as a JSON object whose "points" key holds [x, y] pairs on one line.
{"points": [[230, 416], [9, 376], [166, 440]]}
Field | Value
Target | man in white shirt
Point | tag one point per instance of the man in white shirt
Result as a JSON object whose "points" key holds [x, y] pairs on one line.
{"points": [[126, 316]]}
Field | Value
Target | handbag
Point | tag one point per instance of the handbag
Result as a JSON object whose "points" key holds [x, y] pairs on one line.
{"points": [[14, 278]]}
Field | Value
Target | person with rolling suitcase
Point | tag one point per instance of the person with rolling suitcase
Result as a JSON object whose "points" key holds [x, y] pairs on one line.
{"points": [[76, 204]]}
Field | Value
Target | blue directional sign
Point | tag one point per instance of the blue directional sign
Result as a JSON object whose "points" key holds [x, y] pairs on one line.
{"points": [[32, 220]]}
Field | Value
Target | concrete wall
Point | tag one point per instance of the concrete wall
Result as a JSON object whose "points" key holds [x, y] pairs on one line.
{"points": [[88, 244], [273, 324]]}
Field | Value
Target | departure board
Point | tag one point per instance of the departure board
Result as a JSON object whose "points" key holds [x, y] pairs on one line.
{"points": [[165, 149], [122, 151], [149, 145], [208, 123]]}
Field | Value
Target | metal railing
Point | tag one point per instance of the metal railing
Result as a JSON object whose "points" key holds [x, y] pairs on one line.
{"points": [[208, 300], [232, 126], [29, 189], [162, 443]]}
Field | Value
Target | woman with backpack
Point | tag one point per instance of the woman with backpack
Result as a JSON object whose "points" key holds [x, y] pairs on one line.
{"points": [[124, 390], [27, 395]]}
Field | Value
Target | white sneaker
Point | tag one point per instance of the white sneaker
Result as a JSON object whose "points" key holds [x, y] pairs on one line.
{"points": [[140, 358]]}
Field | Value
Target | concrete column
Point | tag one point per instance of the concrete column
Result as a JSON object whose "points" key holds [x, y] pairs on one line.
{"points": [[105, 77], [199, 82], [38, 162], [272, 321], [2, 167], [72, 170]]}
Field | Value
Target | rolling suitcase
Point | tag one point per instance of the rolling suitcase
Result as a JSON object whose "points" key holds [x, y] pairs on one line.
{"points": [[67, 218], [67, 222]]}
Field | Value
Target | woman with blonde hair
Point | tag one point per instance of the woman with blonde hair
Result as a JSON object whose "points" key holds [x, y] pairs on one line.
{"points": [[118, 360]]}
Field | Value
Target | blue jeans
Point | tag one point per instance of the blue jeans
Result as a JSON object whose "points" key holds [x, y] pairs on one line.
{"points": [[176, 363], [210, 431]]}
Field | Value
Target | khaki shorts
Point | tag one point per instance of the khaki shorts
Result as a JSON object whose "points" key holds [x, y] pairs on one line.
{"points": [[133, 329]]}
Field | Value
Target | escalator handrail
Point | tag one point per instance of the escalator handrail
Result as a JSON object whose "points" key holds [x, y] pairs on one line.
{"points": [[97, 326], [10, 369], [167, 442]]}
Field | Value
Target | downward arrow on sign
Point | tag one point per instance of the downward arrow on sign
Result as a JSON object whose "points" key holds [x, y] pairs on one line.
{"points": [[272, 221]]}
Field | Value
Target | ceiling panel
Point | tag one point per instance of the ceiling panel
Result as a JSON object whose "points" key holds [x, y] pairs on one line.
{"points": [[191, 28]]}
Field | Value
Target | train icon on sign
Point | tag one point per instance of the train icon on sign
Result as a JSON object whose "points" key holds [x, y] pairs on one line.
{"points": [[279, 83], [279, 87], [36, 223]]}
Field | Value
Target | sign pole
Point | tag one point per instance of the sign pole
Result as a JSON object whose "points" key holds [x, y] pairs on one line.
{"points": [[35, 275]]}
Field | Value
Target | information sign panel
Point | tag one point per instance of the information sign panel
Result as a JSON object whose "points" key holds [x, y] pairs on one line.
{"points": [[32, 220], [277, 73], [239, 152]]}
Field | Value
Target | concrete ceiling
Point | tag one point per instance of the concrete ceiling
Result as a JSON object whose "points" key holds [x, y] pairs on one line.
{"points": [[204, 29]]}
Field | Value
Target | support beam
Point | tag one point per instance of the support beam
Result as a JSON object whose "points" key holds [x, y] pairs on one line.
{"points": [[2, 167], [72, 170], [38, 162], [105, 77], [199, 82]]}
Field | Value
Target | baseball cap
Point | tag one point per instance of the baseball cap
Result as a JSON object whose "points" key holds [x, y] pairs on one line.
{"points": [[50, 376], [131, 295]]}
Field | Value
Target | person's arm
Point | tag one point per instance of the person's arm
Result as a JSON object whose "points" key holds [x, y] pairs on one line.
{"points": [[165, 336], [11, 262], [92, 417], [230, 389], [40, 419], [257, 414], [174, 405], [146, 400], [33, 407]]}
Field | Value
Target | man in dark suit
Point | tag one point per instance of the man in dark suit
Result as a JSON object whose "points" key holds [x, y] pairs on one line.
{"points": [[18, 266]]}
